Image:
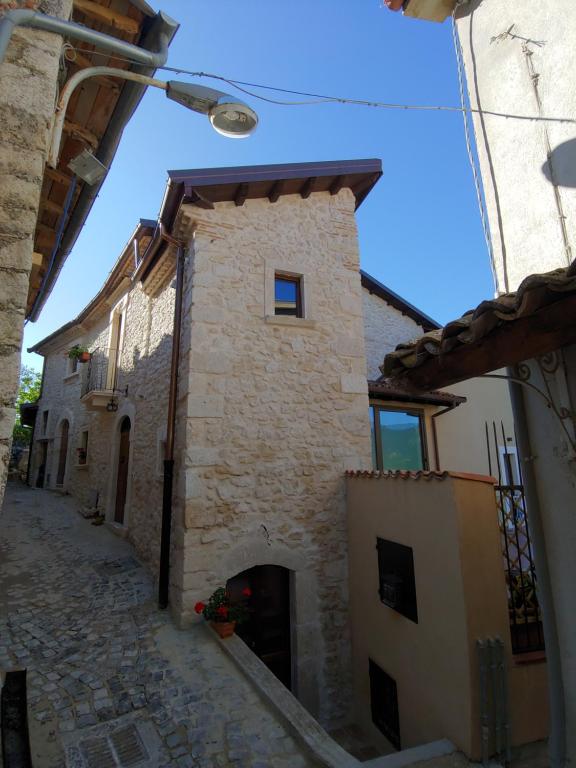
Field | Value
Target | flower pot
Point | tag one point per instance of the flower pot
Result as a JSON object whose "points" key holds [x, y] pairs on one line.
{"points": [[84, 357], [224, 628]]}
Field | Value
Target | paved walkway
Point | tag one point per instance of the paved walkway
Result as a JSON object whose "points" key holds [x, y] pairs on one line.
{"points": [[111, 682]]}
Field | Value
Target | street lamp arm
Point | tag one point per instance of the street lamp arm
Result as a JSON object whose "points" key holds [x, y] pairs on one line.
{"points": [[68, 90]]}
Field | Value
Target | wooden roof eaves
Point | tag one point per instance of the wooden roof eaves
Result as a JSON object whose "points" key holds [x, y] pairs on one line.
{"points": [[395, 300]]}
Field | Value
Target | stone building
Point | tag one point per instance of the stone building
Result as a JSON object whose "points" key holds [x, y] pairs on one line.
{"points": [[42, 208], [279, 335]]}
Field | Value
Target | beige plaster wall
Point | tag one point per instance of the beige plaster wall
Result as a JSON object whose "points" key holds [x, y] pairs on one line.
{"points": [[28, 80], [451, 525], [522, 207], [275, 410], [384, 328], [144, 368]]}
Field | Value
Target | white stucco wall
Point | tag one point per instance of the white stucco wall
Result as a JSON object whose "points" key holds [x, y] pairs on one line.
{"points": [[499, 80]]}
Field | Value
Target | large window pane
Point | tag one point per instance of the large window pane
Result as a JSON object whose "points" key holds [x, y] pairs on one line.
{"points": [[401, 442], [373, 438]]}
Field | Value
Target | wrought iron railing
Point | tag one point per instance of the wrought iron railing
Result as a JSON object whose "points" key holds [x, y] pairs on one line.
{"points": [[519, 569], [101, 371]]}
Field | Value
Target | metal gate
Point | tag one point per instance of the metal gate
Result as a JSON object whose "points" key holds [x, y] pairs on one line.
{"points": [[520, 572]]}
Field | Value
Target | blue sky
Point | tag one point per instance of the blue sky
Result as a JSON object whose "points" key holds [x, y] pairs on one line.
{"points": [[419, 229]]}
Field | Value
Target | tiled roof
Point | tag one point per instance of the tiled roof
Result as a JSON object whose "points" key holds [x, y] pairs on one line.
{"points": [[520, 313], [387, 389], [401, 474]]}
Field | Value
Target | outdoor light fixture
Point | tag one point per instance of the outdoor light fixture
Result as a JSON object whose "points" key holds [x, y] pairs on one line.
{"points": [[87, 167], [228, 115], [112, 405]]}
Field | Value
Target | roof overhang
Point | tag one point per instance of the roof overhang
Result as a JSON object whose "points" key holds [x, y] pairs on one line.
{"points": [[391, 391], [390, 297], [535, 320], [96, 118]]}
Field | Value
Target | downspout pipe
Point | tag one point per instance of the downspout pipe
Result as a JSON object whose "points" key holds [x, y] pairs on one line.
{"points": [[35, 20], [164, 570], [557, 736]]}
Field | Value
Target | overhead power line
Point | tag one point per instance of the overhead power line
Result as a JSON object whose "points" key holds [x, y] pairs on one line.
{"points": [[319, 98]]}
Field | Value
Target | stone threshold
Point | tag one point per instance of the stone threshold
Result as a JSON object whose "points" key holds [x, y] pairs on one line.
{"points": [[308, 732]]}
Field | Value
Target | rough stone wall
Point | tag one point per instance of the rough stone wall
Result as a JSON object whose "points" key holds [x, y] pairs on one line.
{"points": [[275, 410], [28, 80], [384, 328], [144, 368], [500, 41]]}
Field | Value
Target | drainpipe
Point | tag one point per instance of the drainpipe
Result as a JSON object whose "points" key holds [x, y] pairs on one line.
{"points": [[557, 737], [28, 18], [164, 571]]}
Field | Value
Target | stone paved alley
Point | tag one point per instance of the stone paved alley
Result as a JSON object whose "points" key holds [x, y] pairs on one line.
{"points": [[110, 681]]}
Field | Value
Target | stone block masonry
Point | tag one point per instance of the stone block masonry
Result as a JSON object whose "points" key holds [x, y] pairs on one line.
{"points": [[28, 80], [273, 413]]}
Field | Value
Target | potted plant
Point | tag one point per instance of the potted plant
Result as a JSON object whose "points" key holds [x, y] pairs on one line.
{"points": [[222, 613], [79, 353]]}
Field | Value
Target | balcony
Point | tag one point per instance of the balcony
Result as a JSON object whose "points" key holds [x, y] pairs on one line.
{"points": [[100, 381]]}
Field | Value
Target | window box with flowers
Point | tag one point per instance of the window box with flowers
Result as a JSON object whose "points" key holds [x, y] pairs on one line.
{"points": [[223, 613]]}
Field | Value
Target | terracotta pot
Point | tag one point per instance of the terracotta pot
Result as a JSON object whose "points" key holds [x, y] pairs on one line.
{"points": [[84, 357], [224, 628]]}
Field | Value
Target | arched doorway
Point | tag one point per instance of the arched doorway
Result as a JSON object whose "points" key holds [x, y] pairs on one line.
{"points": [[122, 473], [267, 631], [62, 452]]}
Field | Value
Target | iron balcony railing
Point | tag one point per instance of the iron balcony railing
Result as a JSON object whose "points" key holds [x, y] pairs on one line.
{"points": [[101, 371]]}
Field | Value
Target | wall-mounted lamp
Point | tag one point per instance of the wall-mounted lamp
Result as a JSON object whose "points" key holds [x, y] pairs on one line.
{"points": [[112, 405]]}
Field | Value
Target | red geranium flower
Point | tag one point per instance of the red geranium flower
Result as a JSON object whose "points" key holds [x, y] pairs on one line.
{"points": [[222, 610], [247, 592], [199, 607]]}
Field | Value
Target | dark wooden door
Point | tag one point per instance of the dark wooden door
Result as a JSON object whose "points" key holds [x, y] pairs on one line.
{"points": [[42, 467], [63, 453], [267, 631], [122, 477]]}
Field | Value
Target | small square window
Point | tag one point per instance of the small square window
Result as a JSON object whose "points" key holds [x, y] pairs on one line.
{"points": [[288, 296], [82, 450], [396, 580]]}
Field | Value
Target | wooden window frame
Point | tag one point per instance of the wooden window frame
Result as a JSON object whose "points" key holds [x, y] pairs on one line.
{"points": [[378, 436], [290, 278]]}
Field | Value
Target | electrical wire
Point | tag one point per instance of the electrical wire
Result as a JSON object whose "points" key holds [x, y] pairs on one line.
{"points": [[471, 158], [318, 98]]}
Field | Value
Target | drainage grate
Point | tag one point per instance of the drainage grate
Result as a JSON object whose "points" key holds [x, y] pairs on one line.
{"points": [[122, 748]]}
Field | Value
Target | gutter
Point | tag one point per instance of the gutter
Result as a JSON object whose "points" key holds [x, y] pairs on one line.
{"points": [[157, 37]]}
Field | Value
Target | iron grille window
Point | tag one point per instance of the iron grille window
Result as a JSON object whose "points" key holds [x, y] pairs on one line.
{"points": [[398, 439], [287, 296], [397, 585], [384, 703]]}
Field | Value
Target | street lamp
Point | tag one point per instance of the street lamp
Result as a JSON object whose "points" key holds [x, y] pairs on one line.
{"points": [[228, 115]]}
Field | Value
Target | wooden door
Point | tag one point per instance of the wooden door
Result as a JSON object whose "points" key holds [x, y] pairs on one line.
{"points": [[122, 476], [63, 453], [42, 467], [267, 631]]}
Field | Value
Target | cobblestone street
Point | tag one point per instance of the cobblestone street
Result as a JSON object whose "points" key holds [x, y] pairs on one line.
{"points": [[110, 681]]}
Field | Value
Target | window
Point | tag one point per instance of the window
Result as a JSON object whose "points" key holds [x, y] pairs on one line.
{"points": [[44, 422], [397, 439], [72, 366], [287, 296], [384, 703], [396, 581]]}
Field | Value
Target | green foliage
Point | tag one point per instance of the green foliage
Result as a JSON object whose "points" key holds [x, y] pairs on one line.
{"points": [[221, 609], [28, 392], [76, 351]]}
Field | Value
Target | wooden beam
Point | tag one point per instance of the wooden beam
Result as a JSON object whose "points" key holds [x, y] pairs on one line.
{"points": [[337, 184], [195, 198], [107, 16], [276, 190], [510, 343], [57, 176], [241, 194], [44, 236], [308, 187], [49, 206], [80, 132]]}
